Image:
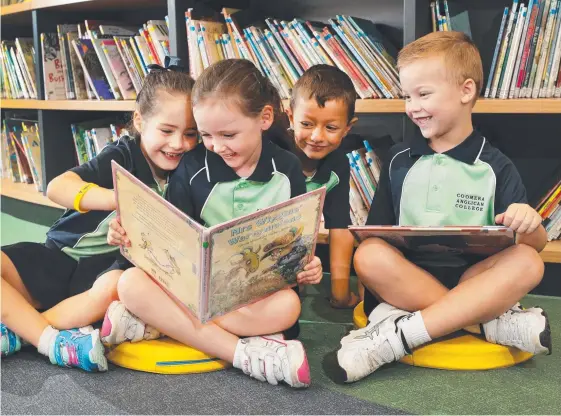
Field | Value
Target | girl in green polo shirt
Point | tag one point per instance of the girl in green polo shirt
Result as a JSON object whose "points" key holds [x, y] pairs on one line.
{"points": [[233, 104]]}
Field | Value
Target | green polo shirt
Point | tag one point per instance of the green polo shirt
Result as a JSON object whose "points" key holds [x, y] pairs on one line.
{"points": [[209, 191], [467, 185]]}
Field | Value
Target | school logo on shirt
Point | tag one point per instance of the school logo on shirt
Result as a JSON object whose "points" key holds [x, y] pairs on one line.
{"points": [[470, 202]]}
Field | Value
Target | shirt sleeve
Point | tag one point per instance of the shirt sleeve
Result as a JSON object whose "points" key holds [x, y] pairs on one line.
{"points": [[179, 191], [509, 188], [98, 170], [337, 207], [382, 210]]}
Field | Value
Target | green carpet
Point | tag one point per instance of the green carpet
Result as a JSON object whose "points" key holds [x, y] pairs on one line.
{"points": [[530, 388]]}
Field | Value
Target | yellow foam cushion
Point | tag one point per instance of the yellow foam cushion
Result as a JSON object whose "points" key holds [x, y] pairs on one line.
{"points": [[164, 356], [463, 352]]}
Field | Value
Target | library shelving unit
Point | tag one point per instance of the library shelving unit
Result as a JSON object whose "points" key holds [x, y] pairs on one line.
{"points": [[403, 21]]}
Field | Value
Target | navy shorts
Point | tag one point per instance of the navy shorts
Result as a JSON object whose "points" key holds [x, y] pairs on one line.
{"points": [[50, 276]]}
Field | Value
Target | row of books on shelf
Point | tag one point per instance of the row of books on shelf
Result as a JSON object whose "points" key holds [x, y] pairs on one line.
{"points": [[365, 174], [449, 16], [21, 146], [550, 210], [527, 56], [94, 60], [21, 152], [283, 50]]}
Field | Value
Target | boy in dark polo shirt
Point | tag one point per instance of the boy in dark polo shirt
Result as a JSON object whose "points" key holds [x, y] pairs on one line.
{"points": [[448, 175], [321, 113]]}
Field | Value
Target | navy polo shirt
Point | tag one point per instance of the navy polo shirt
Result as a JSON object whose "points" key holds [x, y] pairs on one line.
{"points": [[333, 172], [84, 235], [209, 191], [467, 185]]}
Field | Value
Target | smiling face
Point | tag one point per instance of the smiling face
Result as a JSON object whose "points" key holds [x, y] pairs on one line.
{"points": [[167, 133], [318, 131], [437, 104], [234, 136]]}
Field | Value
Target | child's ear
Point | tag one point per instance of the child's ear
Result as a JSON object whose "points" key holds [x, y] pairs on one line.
{"points": [[350, 125], [137, 121], [290, 115], [267, 117], [468, 90]]}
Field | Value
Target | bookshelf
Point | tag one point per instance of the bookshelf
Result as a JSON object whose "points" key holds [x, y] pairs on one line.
{"points": [[406, 20], [25, 192]]}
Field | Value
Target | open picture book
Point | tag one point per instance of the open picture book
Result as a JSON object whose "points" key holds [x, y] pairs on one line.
{"points": [[213, 271], [452, 240]]}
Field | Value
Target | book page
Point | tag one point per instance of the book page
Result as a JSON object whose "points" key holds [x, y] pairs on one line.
{"points": [[165, 243], [254, 256]]}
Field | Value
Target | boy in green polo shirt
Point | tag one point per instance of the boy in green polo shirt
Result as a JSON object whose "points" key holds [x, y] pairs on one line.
{"points": [[321, 113], [448, 174]]}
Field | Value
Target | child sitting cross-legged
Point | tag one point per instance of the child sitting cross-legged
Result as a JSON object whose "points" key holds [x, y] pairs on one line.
{"points": [[433, 181]]}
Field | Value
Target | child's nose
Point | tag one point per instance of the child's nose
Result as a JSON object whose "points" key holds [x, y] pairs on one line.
{"points": [[316, 135]]}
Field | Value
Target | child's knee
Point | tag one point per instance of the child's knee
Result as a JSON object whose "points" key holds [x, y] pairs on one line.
{"points": [[530, 263], [130, 284], [373, 255], [105, 287], [291, 304]]}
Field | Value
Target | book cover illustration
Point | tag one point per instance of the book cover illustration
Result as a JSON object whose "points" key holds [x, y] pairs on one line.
{"points": [[484, 241], [52, 67], [213, 271]]}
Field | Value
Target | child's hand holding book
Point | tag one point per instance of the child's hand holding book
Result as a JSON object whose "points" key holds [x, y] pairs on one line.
{"points": [[521, 218], [117, 236], [312, 274]]}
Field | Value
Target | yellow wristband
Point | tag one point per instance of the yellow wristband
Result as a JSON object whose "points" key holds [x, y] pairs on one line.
{"points": [[80, 195]]}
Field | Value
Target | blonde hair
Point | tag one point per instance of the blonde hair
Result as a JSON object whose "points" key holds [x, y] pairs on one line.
{"points": [[461, 56]]}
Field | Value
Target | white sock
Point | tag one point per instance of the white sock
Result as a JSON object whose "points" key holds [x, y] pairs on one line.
{"points": [[46, 340], [413, 328], [240, 358]]}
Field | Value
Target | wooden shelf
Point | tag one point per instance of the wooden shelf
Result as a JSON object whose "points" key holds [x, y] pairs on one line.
{"points": [[483, 106], [550, 254], [15, 8], [25, 192], [73, 105], [74, 5]]}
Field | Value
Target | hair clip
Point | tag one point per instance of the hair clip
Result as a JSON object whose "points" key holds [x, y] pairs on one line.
{"points": [[171, 63]]}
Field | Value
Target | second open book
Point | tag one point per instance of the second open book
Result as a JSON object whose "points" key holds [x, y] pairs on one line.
{"points": [[213, 271]]}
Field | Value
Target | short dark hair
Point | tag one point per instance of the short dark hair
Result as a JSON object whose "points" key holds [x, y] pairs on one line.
{"points": [[325, 83]]}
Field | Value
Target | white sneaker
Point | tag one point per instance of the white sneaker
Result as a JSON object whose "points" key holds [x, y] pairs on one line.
{"points": [[271, 359], [383, 311], [528, 330], [120, 325], [365, 350]]}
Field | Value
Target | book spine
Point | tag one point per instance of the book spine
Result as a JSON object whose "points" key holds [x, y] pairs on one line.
{"points": [[286, 49], [504, 47], [447, 12], [512, 53], [544, 53], [556, 60], [521, 45], [525, 89], [548, 59], [495, 54]]}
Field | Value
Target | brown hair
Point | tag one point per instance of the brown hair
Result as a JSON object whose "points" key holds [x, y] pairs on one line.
{"points": [[325, 83], [461, 56], [240, 81], [160, 80]]}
